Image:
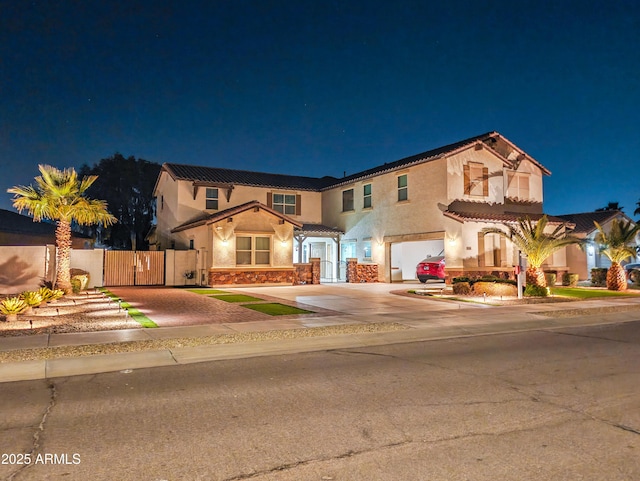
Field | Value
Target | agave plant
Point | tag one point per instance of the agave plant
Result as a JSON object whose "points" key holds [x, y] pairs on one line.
{"points": [[31, 298], [616, 245], [12, 306], [49, 295]]}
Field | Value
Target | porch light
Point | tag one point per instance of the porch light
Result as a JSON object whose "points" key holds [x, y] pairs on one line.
{"points": [[225, 242], [283, 243]]}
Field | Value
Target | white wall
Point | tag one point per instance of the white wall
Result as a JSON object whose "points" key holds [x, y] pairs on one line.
{"points": [[92, 261], [23, 268]]}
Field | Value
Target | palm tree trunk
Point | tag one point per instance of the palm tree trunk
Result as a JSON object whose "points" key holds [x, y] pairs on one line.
{"points": [[63, 255], [535, 276], [616, 278]]}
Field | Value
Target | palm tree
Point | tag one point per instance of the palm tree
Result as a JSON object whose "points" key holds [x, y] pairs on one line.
{"points": [[615, 244], [532, 240], [60, 196]]}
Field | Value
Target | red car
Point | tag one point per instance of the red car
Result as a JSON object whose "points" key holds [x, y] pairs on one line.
{"points": [[430, 268]]}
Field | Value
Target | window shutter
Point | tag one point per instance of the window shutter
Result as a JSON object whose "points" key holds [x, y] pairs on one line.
{"points": [[485, 181], [298, 204], [270, 199], [480, 250], [467, 179]]}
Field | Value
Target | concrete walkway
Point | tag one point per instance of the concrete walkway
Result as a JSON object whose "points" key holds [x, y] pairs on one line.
{"points": [[424, 318]]}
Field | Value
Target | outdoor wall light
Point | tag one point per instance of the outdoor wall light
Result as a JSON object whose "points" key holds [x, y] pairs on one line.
{"points": [[283, 243], [225, 242]]}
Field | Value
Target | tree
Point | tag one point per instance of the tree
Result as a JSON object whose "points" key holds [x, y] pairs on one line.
{"points": [[615, 244], [127, 186], [637, 211], [60, 196], [532, 240], [610, 206]]}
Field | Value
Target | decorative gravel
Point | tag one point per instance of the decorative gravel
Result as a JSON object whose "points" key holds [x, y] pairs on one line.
{"points": [[153, 345]]}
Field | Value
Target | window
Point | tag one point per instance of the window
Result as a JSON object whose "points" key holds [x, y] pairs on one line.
{"points": [[347, 200], [367, 250], [212, 199], [476, 179], [403, 189], [161, 202], [190, 243], [366, 192], [284, 203], [252, 250], [518, 185]]}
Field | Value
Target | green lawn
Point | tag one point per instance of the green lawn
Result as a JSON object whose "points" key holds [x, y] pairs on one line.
{"points": [[276, 309], [584, 293], [134, 313], [207, 291], [236, 298]]}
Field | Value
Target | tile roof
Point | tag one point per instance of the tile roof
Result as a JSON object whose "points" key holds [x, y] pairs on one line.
{"points": [[224, 214], [506, 217], [217, 175], [318, 229], [584, 220]]}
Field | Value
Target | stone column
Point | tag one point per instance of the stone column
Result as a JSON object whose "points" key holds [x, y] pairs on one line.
{"points": [[315, 270], [352, 269]]}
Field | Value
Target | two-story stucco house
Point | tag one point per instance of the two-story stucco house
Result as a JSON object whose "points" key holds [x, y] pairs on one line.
{"points": [[253, 227]]}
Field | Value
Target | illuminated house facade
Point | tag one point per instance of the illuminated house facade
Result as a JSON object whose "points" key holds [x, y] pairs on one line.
{"points": [[255, 227]]}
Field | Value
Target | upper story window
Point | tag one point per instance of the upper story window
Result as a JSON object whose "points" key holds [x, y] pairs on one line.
{"points": [[518, 185], [284, 203], [212, 198], [403, 188], [476, 179], [366, 193], [347, 200], [287, 204], [253, 250], [162, 202]]}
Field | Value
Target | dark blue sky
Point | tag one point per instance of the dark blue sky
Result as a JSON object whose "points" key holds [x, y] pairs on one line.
{"points": [[322, 87]]}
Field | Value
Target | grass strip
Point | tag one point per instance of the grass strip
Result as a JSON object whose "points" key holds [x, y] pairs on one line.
{"points": [[208, 291], [581, 293], [276, 309], [236, 298], [134, 313]]}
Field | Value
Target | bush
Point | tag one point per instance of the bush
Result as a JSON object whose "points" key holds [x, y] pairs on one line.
{"points": [[551, 278], [13, 305], [599, 276], [31, 298], [569, 279], [49, 295], [79, 280], [461, 288], [456, 280], [494, 289], [536, 291], [634, 275]]}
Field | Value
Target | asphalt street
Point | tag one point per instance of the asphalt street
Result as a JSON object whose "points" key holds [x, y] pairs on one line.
{"points": [[539, 405]]}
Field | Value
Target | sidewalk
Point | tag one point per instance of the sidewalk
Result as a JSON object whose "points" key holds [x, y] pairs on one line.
{"points": [[423, 320]]}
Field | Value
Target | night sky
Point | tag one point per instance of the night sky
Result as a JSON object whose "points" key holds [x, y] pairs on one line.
{"points": [[324, 87]]}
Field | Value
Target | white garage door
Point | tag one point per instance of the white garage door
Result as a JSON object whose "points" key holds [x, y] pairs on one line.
{"points": [[405, 256]]}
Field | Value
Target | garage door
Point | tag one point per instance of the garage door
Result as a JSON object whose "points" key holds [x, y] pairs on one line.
{"points": [[405, 256]]}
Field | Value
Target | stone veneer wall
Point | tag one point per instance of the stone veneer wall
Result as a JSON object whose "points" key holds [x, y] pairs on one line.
{"points": [[501, 272], [308, 273], [361, 272]]}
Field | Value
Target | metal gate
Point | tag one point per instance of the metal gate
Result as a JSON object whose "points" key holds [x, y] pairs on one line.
{"points": [[133, 268]]}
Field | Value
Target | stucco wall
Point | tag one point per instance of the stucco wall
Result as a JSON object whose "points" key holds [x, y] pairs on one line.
{"points": [[24, 268]]}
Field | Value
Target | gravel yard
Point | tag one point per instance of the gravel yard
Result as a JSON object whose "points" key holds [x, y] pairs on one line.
{"points": [[93, 311]]}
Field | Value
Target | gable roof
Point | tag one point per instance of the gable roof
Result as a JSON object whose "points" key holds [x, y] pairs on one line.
{"points": [[226, 213], [227, 177], [218, 175], [504, 217], [584, 221]]}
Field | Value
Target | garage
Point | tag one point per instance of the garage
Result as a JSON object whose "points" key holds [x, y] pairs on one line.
{"points": [[406, 255]]}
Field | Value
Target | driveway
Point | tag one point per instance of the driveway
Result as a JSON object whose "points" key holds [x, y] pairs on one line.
{"points": [[329, 303]]}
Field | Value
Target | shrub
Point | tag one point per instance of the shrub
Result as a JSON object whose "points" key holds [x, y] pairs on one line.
{"points": [[634, 275], [569, 279], [494, 289], [13, 305], [535, 291], [456, 280], [79, 280], [551, 278], [461, 288], [31, 298], [599, 276], [49, 295]]}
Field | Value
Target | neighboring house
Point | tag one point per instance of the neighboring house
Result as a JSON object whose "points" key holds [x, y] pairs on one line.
{"points": [[581, 259], [21, 230], [392, 215]]}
